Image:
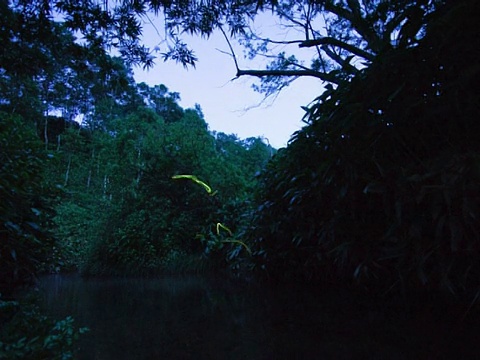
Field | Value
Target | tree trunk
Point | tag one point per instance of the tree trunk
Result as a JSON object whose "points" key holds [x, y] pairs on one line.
{"points": [[67, 172]]}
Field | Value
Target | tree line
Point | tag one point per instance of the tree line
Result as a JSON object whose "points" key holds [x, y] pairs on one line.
{"points": [[98, 196], [87, 178], [375, 159]]}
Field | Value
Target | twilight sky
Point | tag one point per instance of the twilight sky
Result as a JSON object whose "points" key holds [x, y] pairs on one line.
{"points": [[229, 106]]}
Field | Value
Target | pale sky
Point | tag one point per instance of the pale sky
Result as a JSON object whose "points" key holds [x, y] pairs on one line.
{"points": [[225, 102]]}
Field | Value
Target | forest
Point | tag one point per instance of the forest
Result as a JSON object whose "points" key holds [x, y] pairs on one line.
{"points": [[103, 176]]}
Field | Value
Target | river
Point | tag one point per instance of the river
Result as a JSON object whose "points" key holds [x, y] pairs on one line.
{"points": [[198, 317]]}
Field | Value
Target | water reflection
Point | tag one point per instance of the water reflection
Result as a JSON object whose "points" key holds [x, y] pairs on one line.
{"points": [[211, 318]]}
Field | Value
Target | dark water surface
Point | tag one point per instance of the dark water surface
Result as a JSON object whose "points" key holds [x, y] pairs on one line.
{"points": [[194, 317]]}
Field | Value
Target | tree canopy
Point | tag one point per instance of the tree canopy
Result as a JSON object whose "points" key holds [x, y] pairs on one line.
{"points": [[327, 39]]}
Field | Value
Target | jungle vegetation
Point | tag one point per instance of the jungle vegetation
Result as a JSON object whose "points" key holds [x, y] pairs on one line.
{"points": [[380, 188]]}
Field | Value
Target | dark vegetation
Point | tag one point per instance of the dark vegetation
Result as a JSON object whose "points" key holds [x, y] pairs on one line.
{"points": [[379, 189], [381, 186]]}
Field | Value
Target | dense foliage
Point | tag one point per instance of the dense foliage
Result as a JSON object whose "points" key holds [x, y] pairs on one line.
{"points": [[383, 160], [25, 208], [381, 186], [148, 222], [103, 187], [28, 334]]}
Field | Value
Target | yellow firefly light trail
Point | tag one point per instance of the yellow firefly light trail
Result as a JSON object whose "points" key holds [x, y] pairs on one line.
{"points": [[238, 242], [195, 179], [219, 225]]}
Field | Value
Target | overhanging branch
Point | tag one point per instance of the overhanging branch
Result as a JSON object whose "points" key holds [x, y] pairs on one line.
{"points": [[338, 43], [345, 63], [262, 73]]}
